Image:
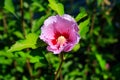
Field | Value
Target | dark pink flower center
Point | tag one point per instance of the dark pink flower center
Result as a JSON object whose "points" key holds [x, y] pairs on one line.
{"points": [[60, 38]]}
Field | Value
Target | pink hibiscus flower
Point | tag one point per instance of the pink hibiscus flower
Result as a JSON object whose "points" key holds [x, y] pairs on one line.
{"points": [[60, 33]]}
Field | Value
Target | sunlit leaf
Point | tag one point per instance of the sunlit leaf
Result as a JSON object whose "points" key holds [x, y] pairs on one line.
{"points": [[6, 54], [84, 27], [58, 7], [5, 61], [29, 42]]}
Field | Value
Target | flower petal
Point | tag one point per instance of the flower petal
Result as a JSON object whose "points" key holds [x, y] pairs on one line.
{"points": [[69, 18], [56, 26]]}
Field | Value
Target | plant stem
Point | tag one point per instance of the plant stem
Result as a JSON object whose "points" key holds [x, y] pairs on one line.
{"points": [[5, 23], [29, 68], [93, 21], [31, 18], [61, 77], [24, 34], [22, 18], [60, 66]]}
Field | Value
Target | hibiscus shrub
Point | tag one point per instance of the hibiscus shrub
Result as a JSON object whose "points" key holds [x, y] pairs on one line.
{"points": [[59, 40]]}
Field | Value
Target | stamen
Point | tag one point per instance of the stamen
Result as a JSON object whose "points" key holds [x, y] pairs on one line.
{"points": [[61, 40]]}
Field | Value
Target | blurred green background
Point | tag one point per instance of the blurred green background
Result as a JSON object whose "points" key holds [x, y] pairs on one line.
{"points": [[96, 57]]}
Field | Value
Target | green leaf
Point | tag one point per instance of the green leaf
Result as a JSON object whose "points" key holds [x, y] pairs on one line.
{"points": [[18, 34], [99, 58], [29, 42], [84, 27], [36, 5], [24, 78], [101, 61], [19, 69], [37, 23], [81, 15], [8, 5], [99, 2], [39, 52], [34, 59], [6, 54], [1, 16], [5, 61], [39, 65], [76, 47], [58, 7]]}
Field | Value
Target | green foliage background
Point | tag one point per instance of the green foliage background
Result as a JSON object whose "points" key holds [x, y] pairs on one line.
{"points": [[23, 56]]}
